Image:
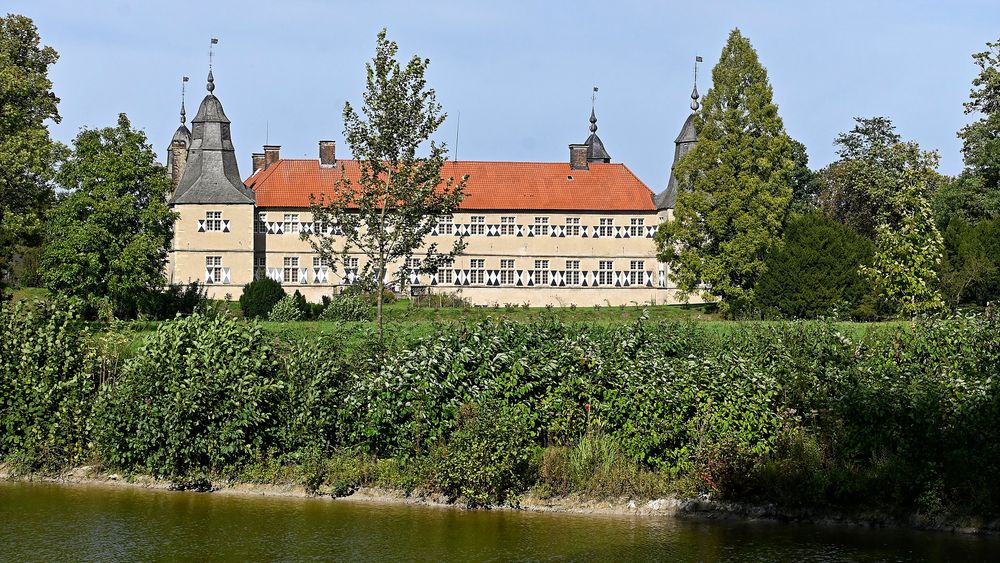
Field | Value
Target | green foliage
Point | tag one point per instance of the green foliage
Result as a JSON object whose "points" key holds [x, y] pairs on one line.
{"points": [[108, 238], [172, 301], [816, 270], [488, 459], [736, 183], [316, 375], [970, 269], [980, 181], [286, 309], [28, 156], [259, 297], [200, 395], [348, 308], [395, 203], [48, 381]]}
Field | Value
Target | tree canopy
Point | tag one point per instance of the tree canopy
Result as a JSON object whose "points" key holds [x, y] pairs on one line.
{"points": [[399, 196], [27, 154], [108, 237], [735, 184]]}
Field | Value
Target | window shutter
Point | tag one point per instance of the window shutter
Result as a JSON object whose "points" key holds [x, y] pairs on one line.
{"points": [[201, 225], [303, 275], [225, 225], [225, 275], [208, 276]]}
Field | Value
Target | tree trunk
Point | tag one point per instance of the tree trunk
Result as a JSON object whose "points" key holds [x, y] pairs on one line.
{"points": [[378, 301]]}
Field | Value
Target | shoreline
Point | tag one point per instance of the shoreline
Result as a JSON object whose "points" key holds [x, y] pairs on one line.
{"points": [[697, 509]]}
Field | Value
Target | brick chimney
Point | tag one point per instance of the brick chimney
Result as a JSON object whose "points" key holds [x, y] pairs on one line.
{"points": [[272, 154], [578, 157], [328, 154], [258, 161]]}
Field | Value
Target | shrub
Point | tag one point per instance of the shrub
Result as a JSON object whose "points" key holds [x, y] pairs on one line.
{"points": [[259, 297], [815, 271], [200, 395], [348, 308], [172, 301], [285, 310], [488, 459], [47, 384]]}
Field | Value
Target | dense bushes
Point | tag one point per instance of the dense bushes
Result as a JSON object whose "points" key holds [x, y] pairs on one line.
{"points": [[796, 413], [201, 395], [259, 297], [48, 380]]}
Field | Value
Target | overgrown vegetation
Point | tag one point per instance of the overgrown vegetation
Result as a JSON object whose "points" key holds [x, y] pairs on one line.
{"points": [[801, 414]]}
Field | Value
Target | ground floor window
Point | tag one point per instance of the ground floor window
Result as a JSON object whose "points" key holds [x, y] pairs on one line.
{"points": [[572, 272], [477, 271], [213, 269], [290, 274], [259, 267], [541, 272], [636, 273], [507, 273], [605, 272]]}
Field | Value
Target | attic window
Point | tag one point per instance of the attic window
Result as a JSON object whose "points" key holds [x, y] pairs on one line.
{"points": [[569, 178]]}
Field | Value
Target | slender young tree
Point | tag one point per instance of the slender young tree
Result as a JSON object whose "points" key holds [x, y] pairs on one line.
{"points": [[108, 238], [398, 196], [736, 183]]}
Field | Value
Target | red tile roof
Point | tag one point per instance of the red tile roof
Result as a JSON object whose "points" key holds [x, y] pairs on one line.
{"points": [[492, 185]]}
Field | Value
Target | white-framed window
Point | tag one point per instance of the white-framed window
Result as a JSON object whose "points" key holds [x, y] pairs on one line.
{"points": [[477, 225], [477, 271], [636, 271], [446, 276], [541, 226], [508, 225], [572, 272], [637, 227], [507, 274], [605, 272], [259, 267], [572, 226], [446, 225], [260, 223], [213, 268], [320, 262], [292, 223], [350, 268], [606, 227], [290, 273], [541, 272], [213, 220]]}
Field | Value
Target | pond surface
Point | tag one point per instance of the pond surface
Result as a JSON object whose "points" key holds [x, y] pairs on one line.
{"points": [[49, 522]]}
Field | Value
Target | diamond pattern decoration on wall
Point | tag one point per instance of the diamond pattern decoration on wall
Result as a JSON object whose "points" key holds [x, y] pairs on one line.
{"points": [[226, 276], [520, 278], [493, 277], [321, 275], [274, 274], [492, 230], [225, 225], [201, 225], [521, 230], [303, 275], [208, 276]]}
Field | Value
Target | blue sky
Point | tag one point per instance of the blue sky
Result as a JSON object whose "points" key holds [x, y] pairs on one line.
{"points": [[520, 72]]}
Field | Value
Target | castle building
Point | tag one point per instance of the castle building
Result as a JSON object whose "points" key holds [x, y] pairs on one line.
{"points": [[578, 232]]}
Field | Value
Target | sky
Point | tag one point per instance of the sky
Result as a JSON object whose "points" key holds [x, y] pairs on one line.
{"points": [[516, 77]]}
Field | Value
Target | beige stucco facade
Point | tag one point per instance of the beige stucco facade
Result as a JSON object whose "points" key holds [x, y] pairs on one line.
{"points": [[537, 258]]}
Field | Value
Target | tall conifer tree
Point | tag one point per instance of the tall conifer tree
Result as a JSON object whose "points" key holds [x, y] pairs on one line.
{"points": [[736, 183]]}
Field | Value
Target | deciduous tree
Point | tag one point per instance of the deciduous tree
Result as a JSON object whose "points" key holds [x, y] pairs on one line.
{"points": [[386, 214], [27, 153], [736, 183], [108, 237]]}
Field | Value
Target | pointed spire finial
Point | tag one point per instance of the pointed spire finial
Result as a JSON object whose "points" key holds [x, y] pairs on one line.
{"points": [[593, 116], [694, 91], [184, 80], [211, 79]]}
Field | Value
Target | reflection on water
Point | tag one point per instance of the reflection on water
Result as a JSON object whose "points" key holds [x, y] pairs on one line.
{"points": [[46, 522]]}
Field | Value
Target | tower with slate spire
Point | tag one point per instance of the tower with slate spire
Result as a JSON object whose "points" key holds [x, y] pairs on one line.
{"points": [[684, 142], [595, 148], [179, 145], [213, 234]]}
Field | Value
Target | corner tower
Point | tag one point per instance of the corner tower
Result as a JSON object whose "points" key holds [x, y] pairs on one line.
{"points": [[180, 143], [213, 234]]}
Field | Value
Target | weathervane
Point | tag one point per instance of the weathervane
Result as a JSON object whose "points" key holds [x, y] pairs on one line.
{"points": [[215, 41], [184, 80]]}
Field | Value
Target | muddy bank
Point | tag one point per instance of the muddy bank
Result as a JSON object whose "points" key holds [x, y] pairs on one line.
{"points": [[673, 507]]}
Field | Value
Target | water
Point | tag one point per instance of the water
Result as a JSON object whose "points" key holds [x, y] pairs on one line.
{"points": [[47, 522]]}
